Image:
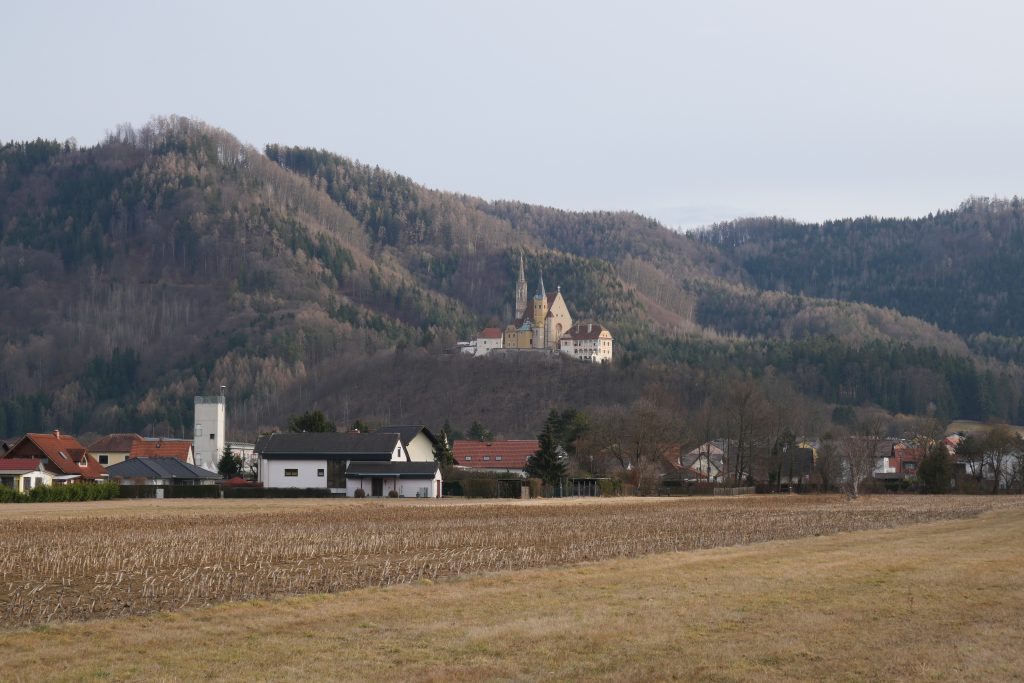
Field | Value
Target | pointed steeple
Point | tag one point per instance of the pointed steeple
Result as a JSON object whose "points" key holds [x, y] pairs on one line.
{"points": [[521, 295], [541, 294]]}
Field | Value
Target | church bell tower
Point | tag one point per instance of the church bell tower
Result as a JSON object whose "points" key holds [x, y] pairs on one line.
{"points": [[521, 296]]}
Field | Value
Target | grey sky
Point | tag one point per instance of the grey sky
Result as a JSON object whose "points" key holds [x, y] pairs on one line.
{"points": [[689, 111]]}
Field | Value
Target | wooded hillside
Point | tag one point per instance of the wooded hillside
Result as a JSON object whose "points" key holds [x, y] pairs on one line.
{"points": [[172, 259]]}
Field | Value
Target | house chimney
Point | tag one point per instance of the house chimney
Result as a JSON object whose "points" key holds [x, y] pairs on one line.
{"points": [[590, 327], [56, 434]]}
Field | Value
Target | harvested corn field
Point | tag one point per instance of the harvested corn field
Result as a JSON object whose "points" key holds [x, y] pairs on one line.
{"points": [[88, 564]]}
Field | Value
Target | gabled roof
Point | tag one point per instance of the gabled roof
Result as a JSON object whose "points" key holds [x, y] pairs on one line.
{"points": [[490, 333], [585, 331], [402, 470], [159, 468], [511, 454], [19, 465], [114, 443], [352, 446], [64, 452], [161, 448], [408, 432]]}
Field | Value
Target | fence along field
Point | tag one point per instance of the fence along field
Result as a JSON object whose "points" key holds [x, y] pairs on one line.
{"points": [[84, 567]]}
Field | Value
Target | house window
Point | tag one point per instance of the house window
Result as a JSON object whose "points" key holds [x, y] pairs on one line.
{"points": [[103, 460], [487, 457], [212, 435], [291, 473], [29, 481], [199, 430], [468, 458], [497, 457], [320, 473]]}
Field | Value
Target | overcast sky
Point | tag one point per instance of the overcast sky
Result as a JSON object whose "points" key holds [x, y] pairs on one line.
{"points": [[687, 111]]}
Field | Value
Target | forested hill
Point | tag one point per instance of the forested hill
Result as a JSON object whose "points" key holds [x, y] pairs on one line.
{"points": [[959, 269], [171, 259]]}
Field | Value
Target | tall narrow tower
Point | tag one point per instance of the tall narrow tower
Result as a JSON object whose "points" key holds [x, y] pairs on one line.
{"points": [[208, 434], [540, 313], [521, 296]]}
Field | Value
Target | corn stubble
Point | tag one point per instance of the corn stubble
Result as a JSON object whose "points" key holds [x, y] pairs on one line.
{"points": [[84, 568]]}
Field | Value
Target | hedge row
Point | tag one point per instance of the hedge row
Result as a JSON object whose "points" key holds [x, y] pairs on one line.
{"points": [[62, 494], [211, 491]]}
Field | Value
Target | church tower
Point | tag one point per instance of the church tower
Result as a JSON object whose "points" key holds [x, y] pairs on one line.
{"points": [[540, 313], [521, 296]]}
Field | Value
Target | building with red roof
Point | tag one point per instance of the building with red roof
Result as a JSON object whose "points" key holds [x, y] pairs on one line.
{"points": [[113, 448], [163, 448], [494, 456], [62, 456], [24, 474]]}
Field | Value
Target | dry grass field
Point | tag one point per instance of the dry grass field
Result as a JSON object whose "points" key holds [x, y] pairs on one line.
{"points": [[971, 426], [99, 560], [940, 601]]}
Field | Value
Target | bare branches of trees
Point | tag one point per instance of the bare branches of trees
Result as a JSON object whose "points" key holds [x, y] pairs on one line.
{"points": [[860, 454]]}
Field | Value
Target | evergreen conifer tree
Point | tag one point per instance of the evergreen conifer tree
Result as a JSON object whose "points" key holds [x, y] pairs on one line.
{"points": [[936, 470], [546, 463], [443, 453], [314, 421], [229, 464]]}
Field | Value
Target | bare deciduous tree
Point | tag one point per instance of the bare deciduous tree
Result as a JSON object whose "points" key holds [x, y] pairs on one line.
{"points": [[860, 454]]}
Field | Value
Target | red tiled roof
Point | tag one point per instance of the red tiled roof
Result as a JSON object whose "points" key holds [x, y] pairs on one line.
{"points": [[161, 448], [114, 443], [511, 454], [239, 481], [490, 333], [19, 464], [64, 452]]}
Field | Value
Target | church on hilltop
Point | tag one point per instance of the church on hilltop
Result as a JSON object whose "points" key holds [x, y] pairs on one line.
{"points": [[543, 323]]}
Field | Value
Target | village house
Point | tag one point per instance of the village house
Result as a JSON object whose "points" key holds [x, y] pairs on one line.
{"points": [[113, 448], [489, 339], [418, 441], [376, 463], [180, 449], [897, 460], [702, 464], [507, 456], [63, 457], [24, 474], [167, 470]]}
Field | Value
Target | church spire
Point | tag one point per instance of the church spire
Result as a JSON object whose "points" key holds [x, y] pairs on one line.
{"points": [[541, 294], [521, 295]]}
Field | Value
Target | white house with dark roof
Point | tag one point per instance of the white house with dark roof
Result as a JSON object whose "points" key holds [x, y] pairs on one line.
{"points": [[589, 342], [418, 441], [377, 463]]}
